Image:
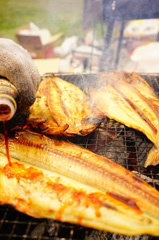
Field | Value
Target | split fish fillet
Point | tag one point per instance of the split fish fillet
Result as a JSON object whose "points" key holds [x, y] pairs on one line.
{"points": [[127, 98], [61, 108], [59, 180]]}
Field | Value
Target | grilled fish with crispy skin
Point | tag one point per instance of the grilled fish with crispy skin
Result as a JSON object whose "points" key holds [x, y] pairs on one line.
{"points": [[129, 99], [61, 108], [59, 180]]}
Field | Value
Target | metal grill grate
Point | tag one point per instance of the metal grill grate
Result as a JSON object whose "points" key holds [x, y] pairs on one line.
{"points": [[121, 144]]}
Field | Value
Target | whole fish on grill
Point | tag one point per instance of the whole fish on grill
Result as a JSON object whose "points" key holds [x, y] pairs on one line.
{"points": [[59, 180], [128, 98], [61, 108]]}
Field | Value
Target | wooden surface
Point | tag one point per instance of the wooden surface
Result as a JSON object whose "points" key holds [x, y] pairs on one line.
{"points": [[47, 65]]}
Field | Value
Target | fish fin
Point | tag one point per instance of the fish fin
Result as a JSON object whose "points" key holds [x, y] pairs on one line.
{"points": [[153, 157]]}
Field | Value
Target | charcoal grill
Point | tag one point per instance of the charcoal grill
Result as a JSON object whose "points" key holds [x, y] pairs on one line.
{"points": [[124, 145]]}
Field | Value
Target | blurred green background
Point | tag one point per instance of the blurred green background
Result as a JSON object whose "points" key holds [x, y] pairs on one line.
{"points": [[56, 15]]}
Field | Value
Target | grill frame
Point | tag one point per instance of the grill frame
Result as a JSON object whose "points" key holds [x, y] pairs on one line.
{"points": [[105, 140]]}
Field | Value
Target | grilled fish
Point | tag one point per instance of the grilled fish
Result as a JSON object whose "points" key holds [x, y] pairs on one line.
{"points": [[61, 108], [59, 180], [127, 98]]}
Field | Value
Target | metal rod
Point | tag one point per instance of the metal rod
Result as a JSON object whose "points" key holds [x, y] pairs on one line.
{"points": [[119, 44], [104, 64]]}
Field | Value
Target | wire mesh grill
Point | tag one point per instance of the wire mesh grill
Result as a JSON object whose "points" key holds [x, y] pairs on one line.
{"points": [[113, 140]]}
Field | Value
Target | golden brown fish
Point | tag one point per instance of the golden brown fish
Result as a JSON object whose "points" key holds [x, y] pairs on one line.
{"points": [[61, 108], [129, 99], [58, 180]]}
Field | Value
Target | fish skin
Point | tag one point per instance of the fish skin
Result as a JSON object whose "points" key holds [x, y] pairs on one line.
{"points": [[128, 98], [58, 180]]}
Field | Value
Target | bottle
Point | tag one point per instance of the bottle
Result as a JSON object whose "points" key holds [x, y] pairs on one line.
{"points": [[8, 96]]}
